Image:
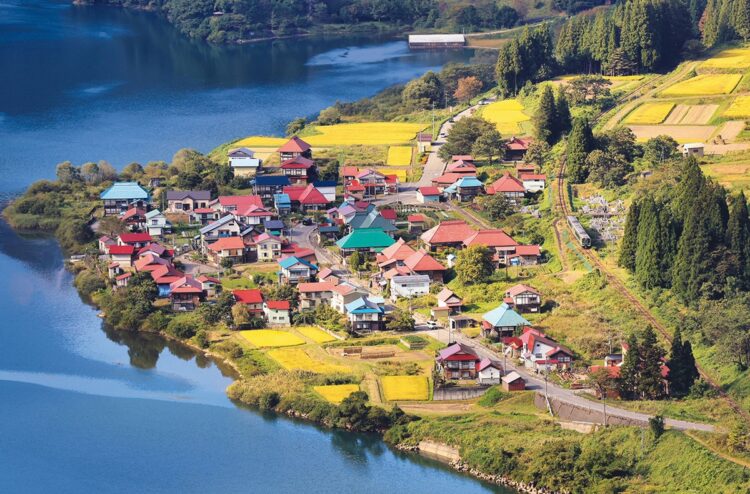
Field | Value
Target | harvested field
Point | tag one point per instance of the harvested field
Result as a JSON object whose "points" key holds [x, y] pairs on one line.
{"points": [[699, 114], [730, 130], [734, 176], [739, 108], [298, 359], [380, 351], [704, 85], [405, 388], [268, 338], [680, 133], [649, 113], [677, 115], [336, 393]]}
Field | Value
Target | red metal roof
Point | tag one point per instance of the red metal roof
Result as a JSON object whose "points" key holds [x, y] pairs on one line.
{"points": [[132, 238], [132, 212], [241, 203], [429, 191], [294, 145], [203, 210], [508, 183], [349, 171], [389, 214], [123, 276], [319, 286], [421, 261], [312, 195], [518, 143], [225, 243], [253, 296], [452, 231], [448, 178], [278, 304], [528, 250], [297, 163], [533, 176], [120, 250], [416, 218], [462, 157], [490, 238]]}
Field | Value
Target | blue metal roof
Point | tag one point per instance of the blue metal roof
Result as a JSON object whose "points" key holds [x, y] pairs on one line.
{"points": [[290, 261], [468, 182], [282, 200], [124, 191], [505, 317], [363, 306], [274, 224], [325, 183], [272, 180]]}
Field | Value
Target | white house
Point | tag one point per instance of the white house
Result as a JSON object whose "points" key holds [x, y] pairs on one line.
{"points": [[243, 162], [327, 188], [343, 294], [226, 226], [693, 149], [489, 372], [277, 312], [533, 183], [409, 286], [157, 223], [540, 351]]}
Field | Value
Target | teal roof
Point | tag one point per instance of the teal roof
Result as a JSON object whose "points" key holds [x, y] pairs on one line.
{"points": [[290, 261], [505, 317], [152, 213], [363, 306], [125, 190], [468, 182], [366, 238]]}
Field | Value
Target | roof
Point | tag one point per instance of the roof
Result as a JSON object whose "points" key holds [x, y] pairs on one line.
{"points": [[311, 195], [124, 276], [294, 145], [363, 305], [254, 211], [227, 243], [252, 296], [325, 183], [452, 231], [298, 162], [521, 288], [462, 157], [533, 176], [272, 180], [446, 294], [398, 251], [461, 166], [512, 377], [485, 362], [490, 238], [389, 214], [370, 219], [132, 212], [369, 171], [528, 250], [266, 236], [518, 143], [216, 224], [278, 304], [411, 278], [693, 145], [152, 214], [125, 190], [240, 202], [242, 151], [424, 137], [468, 182], [131, 238], [318, 286], [437, 38], [349, 171], [421, 261], [507, 183], [363, 238], [416, 218], [282, 199], [273, 224], [186, 284], [429, 191], [504, 316], [157, 249], [448, 178], [208, 279], [457, 350], [345, 288], [197, 195], [290, 261]]}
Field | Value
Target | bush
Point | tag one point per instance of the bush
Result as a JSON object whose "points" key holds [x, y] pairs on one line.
{"points": [[201, 338], [269, 400], [492, 397], [156, 322], [87, 282], [183, 326]]}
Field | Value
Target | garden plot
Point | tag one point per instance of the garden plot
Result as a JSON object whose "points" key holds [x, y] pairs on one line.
{"points": [[268, 338], [704, 85], [405, 388], [336, 393]]}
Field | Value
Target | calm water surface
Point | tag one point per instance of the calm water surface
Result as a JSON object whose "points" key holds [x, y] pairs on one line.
{"points": [[84, 410]]}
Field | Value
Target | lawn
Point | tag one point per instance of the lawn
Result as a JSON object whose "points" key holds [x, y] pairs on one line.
{"points": [[649, 113], [506, 115], [739, 108], [399, 156], [315, 334], [704, 85], [733, 58], [336, 393], [298, 359], [268, 338], [405, 388]]}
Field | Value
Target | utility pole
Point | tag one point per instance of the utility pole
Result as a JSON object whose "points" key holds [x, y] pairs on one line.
{"points": [[433, 119]]}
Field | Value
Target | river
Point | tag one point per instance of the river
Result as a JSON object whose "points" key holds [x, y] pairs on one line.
{"points": [[87, 410]]}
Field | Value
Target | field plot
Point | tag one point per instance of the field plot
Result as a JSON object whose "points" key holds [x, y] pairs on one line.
{"points": [[298, 359], [739, 108], [735, 176], [315, 334], [405, 388], [704, 85], [506, 115], [260, 142], [399, 156], [691, 115], [336, 393], [680, 133], [268, 338], [399, 172], [347, 134], [733, 58], [649, 113]]}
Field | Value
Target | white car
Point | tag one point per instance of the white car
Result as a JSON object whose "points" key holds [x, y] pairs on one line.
{"points": [[432, 325]]}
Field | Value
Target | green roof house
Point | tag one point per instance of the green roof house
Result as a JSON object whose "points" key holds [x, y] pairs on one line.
{"points": [[365, 240], [503, 321]]}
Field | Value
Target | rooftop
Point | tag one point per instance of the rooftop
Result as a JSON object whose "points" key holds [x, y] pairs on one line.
{"points": [[125, 191]]}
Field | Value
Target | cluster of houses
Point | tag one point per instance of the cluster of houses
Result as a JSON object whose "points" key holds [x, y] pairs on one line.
{"points": [[459, 362]]}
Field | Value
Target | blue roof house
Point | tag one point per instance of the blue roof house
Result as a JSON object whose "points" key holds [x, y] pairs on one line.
{"points": [[365, 315], [465, 188], [296, 270], [122, 196], [503, 321], [282, 203]]}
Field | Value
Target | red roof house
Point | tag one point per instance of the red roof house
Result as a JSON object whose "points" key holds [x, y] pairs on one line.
{"points": [[447, 234], [509, 186], [294, 147]]}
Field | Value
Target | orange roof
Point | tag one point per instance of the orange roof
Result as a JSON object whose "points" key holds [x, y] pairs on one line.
{"points": [[225, 243], [294, 145], [240, 202], [453, 231], [528, 250], [507, 183], [533, 176], [416, 218], [518, 143], [448, 178], [429, 191], [398, 252], [319, 286], [349, 171], [422, 261], [490, 238]]}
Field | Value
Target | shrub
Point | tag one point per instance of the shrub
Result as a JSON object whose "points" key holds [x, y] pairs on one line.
{"points": [[156, 321], [492, 397], [201, 338], [183, 326], [269, 400], [88, 282]]}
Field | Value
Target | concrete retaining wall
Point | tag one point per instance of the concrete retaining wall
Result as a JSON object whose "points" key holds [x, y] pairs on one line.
{"points": [[444, 394], [574, 413]]}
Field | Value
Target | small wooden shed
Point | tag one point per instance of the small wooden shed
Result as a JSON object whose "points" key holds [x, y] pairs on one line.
{"points": [[513, 382]]}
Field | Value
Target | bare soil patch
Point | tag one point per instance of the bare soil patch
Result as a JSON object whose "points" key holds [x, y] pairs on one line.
{"points": [[677, 115], [680, 133], [699, 114]]}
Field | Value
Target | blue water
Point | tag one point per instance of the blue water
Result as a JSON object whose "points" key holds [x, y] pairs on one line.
{"points": [[87, 410]]}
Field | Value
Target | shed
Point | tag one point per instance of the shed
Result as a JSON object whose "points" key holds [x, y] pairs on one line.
{"points": [[693, 149], [513, 382]]}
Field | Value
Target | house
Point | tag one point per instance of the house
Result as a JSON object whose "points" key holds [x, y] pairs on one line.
{"points": [[513, 382], [523, 168], [489, 372], [267, 185], [394, 255], [365, 240], [121, 254], [496, 240], [541, 352], [179, 201], [296, 270], [299, 169], [306, 198], [134, 218], [446, 298], [104, 242], [157, 224], [456, 362], [445, 180], [150, 262], [204, 216], [311, 295], [502, 321], [416, 223], [254, 215], [122, 196], [465, 189], [459, 322], [185, 294], [533, 182], [428, 194], [137, 240], [424, 142], [450, 233], [462, 157], [330, 232], [462, 167], [327, 188], [293, 148], [422, 263], [409, 286], [525, 255], [157, 250], [516, 147], [232, 248], [370, 219], [252, 299], [693, 149], [391, 184], [243, 162], [268, 246], [523, 298], [366, 315], [436, 41], [282, 203], [233, 204], [226, 226], [113, 269], [373, 181], [349, 173], [510, 187], [274, 227], [277, 312], [355, 188], [164, 276], [211, 286], [122, 280], [343, 294]]}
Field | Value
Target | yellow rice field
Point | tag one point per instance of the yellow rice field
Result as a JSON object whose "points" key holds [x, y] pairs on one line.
{"points": [[704, 85], [739, 108], [298, 359], [347, 134], [260, 141], [649, 113], [733, 58], [401, 174], [315, 334], [268, 338], [405, 388], [506, 115], [336, 393], [399, 156]]}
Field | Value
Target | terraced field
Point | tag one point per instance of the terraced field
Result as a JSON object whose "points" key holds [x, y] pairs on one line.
{"points": [[399, 156], [650, 113], [347, 134], [298, 359], [507, 115], [704, 85], [268, 338], [732, 58], [739, 108], [405, 388], [336, 393]]}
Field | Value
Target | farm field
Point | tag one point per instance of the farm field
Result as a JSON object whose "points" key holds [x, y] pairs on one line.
{"points": [[399, 172], [405, 388], [507, 115], [704, 85], [268, 338], [739, 108], [691, 114], [336, 393], [733, 58], [649, 113], [680, 133], [315, 334], [399, 156], [346, 134], [735, 175], [298, 359]]}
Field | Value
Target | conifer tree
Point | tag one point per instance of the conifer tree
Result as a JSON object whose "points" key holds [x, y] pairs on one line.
{"points": [[647, 261], [689, 188], [738, 235], [629, 244], [667, 245], [630, 369], [682, 369], [691, 263], [562, 107], [545, 118], [580, 144], [650, 382]]}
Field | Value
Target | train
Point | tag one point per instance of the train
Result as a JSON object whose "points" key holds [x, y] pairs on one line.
{"points": [[580, 232]]}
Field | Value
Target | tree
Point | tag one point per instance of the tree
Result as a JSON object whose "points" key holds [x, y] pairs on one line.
{"points": [[588, 89], [630, 369], [650, 382], [401, 320], [545, 118], [474, 265], [463, 135], [580, 144], [647, 255], [660, 149], [490, 144], [132, 171], [738, 236], [467, 88], [240, 315], [67, 173], [423, 92], [656, 424], [562, 108], [538, 153], [497, 206], [629, 244], [355, 261], [329, 116], [607, 169], [111, 226], [72, 233], [682, 369], [295, 126]]}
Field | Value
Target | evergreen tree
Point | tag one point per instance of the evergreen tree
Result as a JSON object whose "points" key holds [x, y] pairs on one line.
{"points": [[650, 382], [630, 369], [691, 373], [629, 245], [682, 369], [741, 18], [692, 262], [562, 107], [545, 118], [580, 144], [647, 256], [738, 235], [667, 245], [689, 188]]}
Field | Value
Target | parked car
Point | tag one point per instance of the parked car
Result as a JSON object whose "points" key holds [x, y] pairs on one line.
{"points": [[307, 221], [432, 325]]}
